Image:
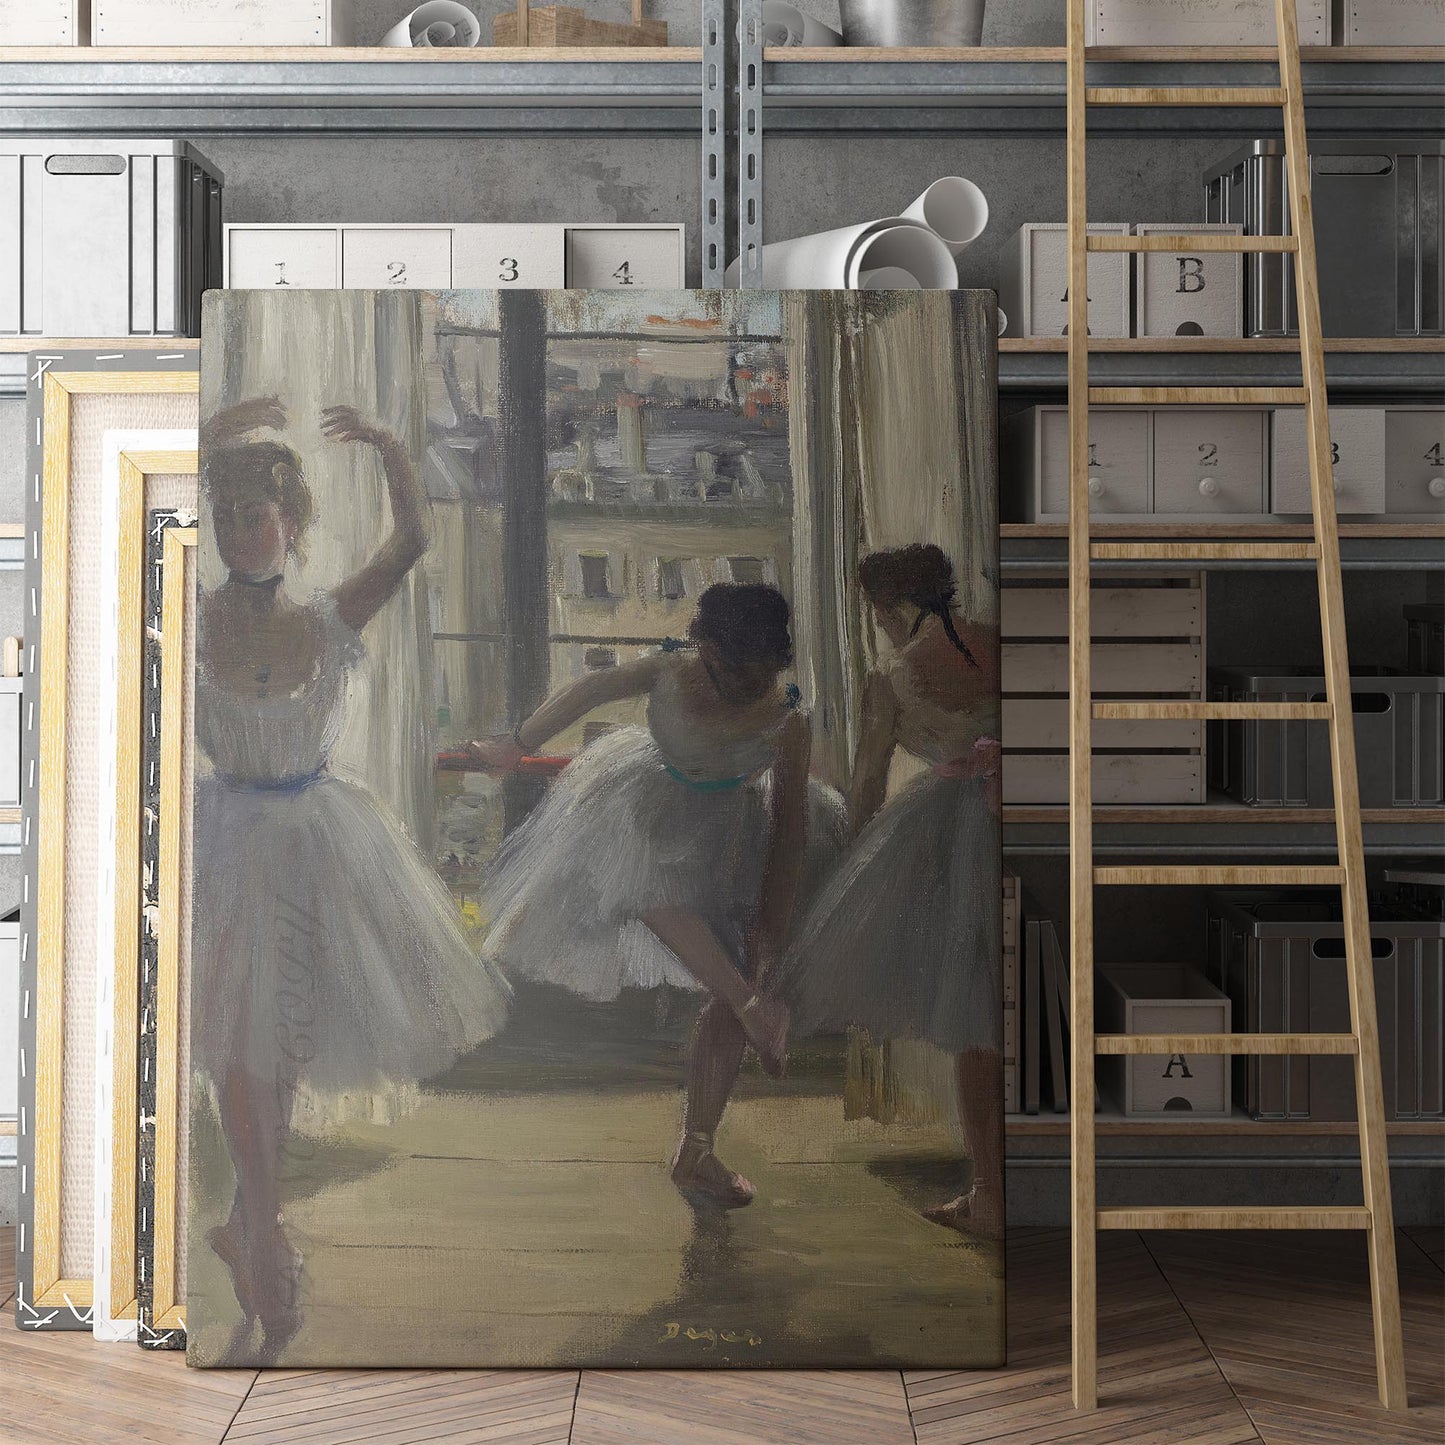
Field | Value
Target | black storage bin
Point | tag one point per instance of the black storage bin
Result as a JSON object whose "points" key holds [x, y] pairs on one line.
{"points": [[1399, 739], [1425, 637], [1377, 215], [1280, 958]]}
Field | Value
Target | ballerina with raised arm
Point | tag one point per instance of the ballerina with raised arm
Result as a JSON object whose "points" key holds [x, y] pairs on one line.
{"points": [[906, 939], [327, 951], [674, 853]]}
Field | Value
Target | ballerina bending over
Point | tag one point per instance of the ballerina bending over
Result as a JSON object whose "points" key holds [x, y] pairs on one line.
{"points": [[327, 950], [673, 853], [906, 939]]}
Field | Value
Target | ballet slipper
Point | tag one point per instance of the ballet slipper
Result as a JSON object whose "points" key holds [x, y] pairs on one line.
{"points": [[969, 1214], [765, 1021], [698, 1172], [228, 1243], [280, 1304]]}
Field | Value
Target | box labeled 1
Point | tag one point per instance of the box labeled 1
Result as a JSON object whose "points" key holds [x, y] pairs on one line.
{"points": [[1357, 456], [1189, 293], [506, 257], [1033, 288], [264, 258], [603, 257]]}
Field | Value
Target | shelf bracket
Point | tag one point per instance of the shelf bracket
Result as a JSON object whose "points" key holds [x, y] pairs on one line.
{"points": [[714, 142], [750, 143]]}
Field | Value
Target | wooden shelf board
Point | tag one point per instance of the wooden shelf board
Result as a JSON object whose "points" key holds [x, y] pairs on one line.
{"points": [[14, 345], [1044, 1125], [383, 54], [1151, 528], [1058, 54], [1226, 345], [1218, 812]]}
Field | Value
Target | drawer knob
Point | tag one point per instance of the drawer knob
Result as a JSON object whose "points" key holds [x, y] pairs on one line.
{"points": [[1208, 487], [1096, 486], [1436, 486]]}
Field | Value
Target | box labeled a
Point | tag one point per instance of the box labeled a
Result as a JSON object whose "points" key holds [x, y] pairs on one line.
{"points": [[1189, 292]]}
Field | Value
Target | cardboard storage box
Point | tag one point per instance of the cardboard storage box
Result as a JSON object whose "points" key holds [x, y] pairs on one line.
{"points": [[1200, 22], [220, 22], [1415, 460], [1033, 289], [1399, 739], [106, 237], [1152, 998], [1188, 293], [1281, 959], [1357, 450], [1389, 22], [44, 22]]}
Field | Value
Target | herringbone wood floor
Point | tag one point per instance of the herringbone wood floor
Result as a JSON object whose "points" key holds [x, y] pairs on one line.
{"points": [[1204, 1340]]}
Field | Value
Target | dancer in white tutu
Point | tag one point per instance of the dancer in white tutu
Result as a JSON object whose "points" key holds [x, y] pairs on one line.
{"points": [[905, 940], [674, 853], [328, 960]]}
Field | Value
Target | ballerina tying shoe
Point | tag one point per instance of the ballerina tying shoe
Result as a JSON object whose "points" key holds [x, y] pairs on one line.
{"points": [[674, 853]]}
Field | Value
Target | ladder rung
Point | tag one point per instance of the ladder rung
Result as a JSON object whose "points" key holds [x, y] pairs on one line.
{"points": [[1186, 241], [1226, 1044], [1185, 95], [1216, 711], [1206, 551], [1225, 1217], [1198, 395], [1236, 876]]}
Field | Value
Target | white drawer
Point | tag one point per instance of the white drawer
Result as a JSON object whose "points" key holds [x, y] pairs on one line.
{"points": [[1118, 462], [1414, 459], [507, 257], [1357, 443], [1034, 282], [1189, 293], [1208, 461], [385, 258], [272, 257], [600, 258]]}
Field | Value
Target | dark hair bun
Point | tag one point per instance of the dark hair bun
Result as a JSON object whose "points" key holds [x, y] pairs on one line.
{"points": [[271, 468], [919, 573], [746, 622]]}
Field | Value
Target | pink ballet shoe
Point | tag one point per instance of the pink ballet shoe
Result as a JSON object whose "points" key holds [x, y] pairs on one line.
{"points": [[765, 1021], [280, 1303], [697, 1171], [970, 1213], [228, 1243]]}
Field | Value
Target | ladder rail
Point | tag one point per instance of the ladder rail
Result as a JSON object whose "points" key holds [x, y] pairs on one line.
{"points": [[1359, 968], [1083, 1220]]}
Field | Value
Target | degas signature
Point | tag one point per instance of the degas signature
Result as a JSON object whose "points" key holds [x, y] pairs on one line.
{"points": [[675, 1331]]}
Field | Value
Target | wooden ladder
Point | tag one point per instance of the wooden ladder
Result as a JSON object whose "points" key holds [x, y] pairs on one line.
{"points": [[1375, 1218]]}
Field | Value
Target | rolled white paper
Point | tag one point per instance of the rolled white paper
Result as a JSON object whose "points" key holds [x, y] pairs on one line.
{"points": [[1002, 321], [437, 25], [835, 260], [785, 24], [954, 208], [888, 278]]}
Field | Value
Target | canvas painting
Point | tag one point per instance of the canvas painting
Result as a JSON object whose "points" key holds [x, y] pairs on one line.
{"points": [[596, 891]]}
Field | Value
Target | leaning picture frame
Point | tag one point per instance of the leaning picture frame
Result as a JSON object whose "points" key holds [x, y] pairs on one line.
{"points": [[143, 470], [75, 398]]}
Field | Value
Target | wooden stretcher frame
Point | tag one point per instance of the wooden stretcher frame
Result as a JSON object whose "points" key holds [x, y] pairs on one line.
{"points": [[154, 454], [163, 1314], [45, 1298]]}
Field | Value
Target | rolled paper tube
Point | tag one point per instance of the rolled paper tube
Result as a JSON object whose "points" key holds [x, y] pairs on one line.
{"points": [[1002, 321], [905, 246], [954, 209], [788, 26], [437, 25], [888, 278]]}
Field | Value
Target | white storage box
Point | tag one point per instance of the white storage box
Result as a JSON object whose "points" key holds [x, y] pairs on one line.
{"points": [[1036, 450], [1415, 460], [43, 22], [1033, 289], [220, 22], [1201, 22], [1209, 462], [436, 257], [1389, 22], [106, 237], [1182, 293], [600, 257], [12, 691], [1357, 445], [1148, 998]]}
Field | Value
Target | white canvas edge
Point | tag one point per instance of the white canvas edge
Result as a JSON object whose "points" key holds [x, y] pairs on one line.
{"points": [[108, 664]]}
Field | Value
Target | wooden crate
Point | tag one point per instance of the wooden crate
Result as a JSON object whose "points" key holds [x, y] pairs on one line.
{"points": [[1148, 635], [1011, 901], [553, 26]]}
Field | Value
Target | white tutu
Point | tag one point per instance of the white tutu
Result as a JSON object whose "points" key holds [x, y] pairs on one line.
{"points": [[618, 835], [906, 939], [325, 947]]}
